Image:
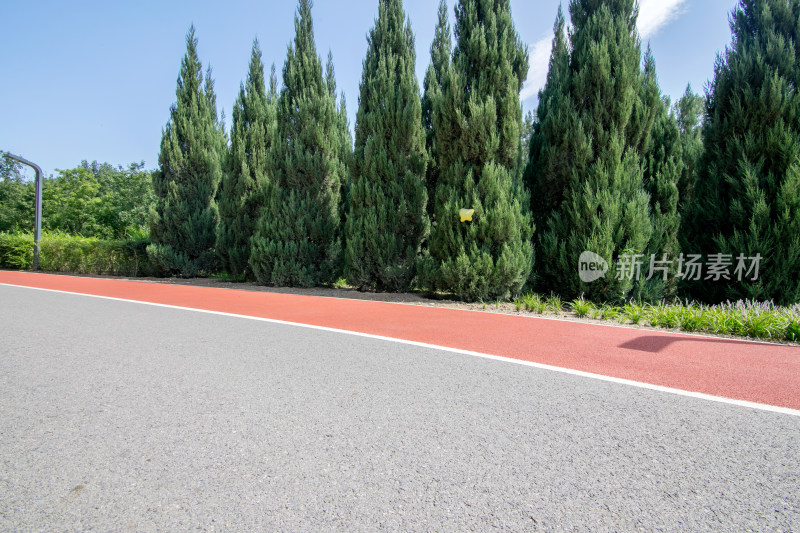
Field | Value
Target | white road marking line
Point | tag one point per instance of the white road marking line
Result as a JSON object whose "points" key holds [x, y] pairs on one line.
{"points": [[540, 366]]}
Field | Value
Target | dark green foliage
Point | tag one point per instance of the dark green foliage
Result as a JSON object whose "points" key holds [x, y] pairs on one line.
{"points": [[747, 196], [432, 90], [557, 133], [184, 222], [241, 194], [16, 197], [524, 145], [478, 121], [689, 111], [387, 221], [297, 239], [663, 168], [345, 139], [589, 146]]}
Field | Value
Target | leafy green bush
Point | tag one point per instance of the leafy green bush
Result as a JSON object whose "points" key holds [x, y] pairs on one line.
{"points": [[79, 255], [16, 250]]}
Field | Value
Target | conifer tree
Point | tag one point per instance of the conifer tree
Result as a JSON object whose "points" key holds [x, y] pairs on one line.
{"points": [[591, 176], [387, 221], [298, 238], [246, 174], [345, 141], [432, 89], [183, 224], [747, 196], [557, 132], [663, 167], [688, 112], [477, 123]]}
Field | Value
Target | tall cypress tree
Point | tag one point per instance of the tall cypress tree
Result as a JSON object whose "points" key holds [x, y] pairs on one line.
{"points": [[246, 173], [477, 123], [441, 48], [747, 197], [297, 239], [662, 168], [183, 224], [595, 193], [688, 112], [387, 220], [557, 132], [344, 140]]}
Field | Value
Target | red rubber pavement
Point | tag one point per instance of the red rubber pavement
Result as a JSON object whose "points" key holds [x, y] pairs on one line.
{"points": [[756, 372]]}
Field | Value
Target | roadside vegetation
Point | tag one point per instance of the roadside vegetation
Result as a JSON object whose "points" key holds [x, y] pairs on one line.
{"points": [[447, 190], [744, 318]]}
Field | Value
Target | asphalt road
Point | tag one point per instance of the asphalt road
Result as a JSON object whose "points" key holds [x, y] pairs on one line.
{"points": [[123, 416]]}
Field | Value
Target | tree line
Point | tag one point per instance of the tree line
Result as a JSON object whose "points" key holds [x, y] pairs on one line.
{"points": [[91, 200], [452, 190]]}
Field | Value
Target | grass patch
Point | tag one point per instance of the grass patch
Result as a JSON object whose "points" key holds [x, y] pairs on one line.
{"points": [[554, 304], [580, 307]]}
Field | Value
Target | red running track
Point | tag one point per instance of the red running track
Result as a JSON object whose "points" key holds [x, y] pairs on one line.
{"points": [[756, 372]]}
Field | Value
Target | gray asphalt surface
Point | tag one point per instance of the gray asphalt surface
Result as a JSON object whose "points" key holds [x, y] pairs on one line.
{"points": [[119, 416]]}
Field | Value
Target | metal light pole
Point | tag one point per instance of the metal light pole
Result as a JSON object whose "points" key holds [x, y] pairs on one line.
{"points": [[37, 228]]}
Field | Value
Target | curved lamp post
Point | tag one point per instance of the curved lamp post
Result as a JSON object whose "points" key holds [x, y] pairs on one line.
{"points": [[37, 229]]}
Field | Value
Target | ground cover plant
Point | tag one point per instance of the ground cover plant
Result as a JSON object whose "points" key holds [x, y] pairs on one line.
{"points": [[743, 318]]}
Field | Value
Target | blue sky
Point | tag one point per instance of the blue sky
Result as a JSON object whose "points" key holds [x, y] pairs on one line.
{"points": [[95, 79]]}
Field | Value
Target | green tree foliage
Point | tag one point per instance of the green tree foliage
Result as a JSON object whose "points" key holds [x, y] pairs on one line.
{"points": [[478, 121], [91, 200], [98, 200], [387, 220], [441, 48], [16, 197], [344, 137], [663, 168], [747, 196], [688, 112], [297, 239], [557, 132], [184, 221], [589, 147], [241, 193]]}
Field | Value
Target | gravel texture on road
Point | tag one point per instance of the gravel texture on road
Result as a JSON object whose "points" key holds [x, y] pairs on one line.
{"points": [[122, 416]]}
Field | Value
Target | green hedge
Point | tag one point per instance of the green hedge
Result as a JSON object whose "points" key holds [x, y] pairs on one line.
{"points": [[80, 255]]}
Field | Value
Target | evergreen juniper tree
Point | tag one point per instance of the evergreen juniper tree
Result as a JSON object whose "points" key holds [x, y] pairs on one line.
{"points": [[662, 170], [432, 89], [345, 139], [183, 223], [688, 112], [246, 174], [297, 239], [477, 122], [387, 221], [557, 133], [592, 180], [747, 196]]}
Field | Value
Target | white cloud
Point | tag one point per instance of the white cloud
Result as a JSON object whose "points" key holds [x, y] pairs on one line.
{"points": [[537, 73], [653, 15]]}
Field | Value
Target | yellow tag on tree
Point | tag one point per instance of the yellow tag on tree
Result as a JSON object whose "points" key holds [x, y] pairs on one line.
{"points": [[466, 214]]}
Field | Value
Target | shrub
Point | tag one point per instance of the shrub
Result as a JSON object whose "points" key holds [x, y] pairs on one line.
{"points": [[79, 255]]}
